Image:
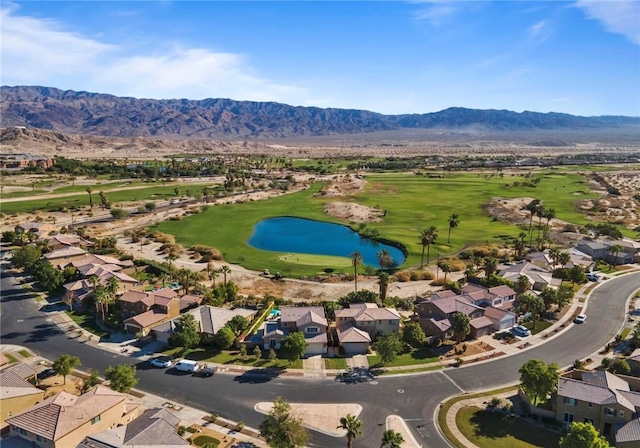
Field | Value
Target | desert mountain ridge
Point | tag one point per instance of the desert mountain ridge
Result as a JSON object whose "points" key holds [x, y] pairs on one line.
{"points": [[96, 114]]}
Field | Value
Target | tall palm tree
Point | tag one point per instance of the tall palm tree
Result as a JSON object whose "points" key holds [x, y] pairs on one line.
{"points": [[564, 258], [554, 254], [384, 259], [427, 237], [88, 190], [614, 250], [383, 282], [356, 260], [522, 285], [225, 270], [549, 215], [540, 213], [454, 220], [490, 266], [446, 268], [532, 207], [353, 425], [170, 258], [392, 439]]}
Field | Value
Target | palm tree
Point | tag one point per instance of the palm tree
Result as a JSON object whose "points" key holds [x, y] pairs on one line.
{"points": [[532, 207], [549, 215], [383, 282], [446, 268], [88, 190], [392, 439], [353, 425], [427, 237], [384, 259], [614, 250], [554, 254], [522, 285], [490, 266], [225, 270], [170, 258], [356, 260], [453, 222], [540, 213], [564, 258]]}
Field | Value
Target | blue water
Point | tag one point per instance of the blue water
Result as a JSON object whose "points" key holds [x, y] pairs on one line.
{"points": [[297, 235]]}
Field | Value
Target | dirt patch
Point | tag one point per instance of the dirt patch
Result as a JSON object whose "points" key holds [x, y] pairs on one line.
{"points": [[343, 186], [354, 212]]}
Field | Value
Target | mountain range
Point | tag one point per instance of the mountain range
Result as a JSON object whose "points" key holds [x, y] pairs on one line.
{"points": [[88, 113]]}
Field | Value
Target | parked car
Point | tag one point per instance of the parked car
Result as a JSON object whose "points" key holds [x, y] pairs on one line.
{"points": [[161, 362], [580, 318], [206, 371], [46, 373], [187, 365], [592, 276], [521, 330]]}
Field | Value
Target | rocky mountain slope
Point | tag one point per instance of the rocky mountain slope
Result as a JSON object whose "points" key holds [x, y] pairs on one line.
{"points": [[107, 115]]}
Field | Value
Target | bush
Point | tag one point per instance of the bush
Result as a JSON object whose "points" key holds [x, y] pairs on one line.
{"points": [[403, 276]]}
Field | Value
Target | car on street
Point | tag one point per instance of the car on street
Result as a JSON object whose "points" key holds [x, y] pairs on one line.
{"points": [[206, 371], [592, 276], [162, 362], [580, 318], [521, 330]]}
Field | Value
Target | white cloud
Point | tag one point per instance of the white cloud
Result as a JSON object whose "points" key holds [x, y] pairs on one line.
{"points": [[620, 16], [40, 51], [539, 32], [436, 12]]}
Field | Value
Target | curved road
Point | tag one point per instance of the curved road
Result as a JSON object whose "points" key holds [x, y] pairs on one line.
{"points": [[413, 397]]}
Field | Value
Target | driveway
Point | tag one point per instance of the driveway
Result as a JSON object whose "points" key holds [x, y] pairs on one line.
{"points": [[314, 367]]}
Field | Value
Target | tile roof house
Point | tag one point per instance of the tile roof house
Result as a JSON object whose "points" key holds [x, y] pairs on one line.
{"points": [[63, 420], [146, 309], [602, 399], [576, 258], [629, 253], [310, 320], [364, 319], [487, 309], [538, 277], [16, 394], [40, 229], [61, 241], [154, 428], [66, 254], [210, 319]]}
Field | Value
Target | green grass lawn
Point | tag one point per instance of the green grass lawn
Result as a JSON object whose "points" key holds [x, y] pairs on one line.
{"points": [[412, 203], [25, 353], [233, 357], [414, 357], [541, 325], [488, 429], [87, 321], [82, 200], [202, 440], [335, 363]]}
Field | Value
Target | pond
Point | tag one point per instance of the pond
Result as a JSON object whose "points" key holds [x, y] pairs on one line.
{"points": [[298, 235]]}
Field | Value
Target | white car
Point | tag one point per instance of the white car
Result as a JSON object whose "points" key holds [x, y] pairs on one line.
{"points": [[580, 318], [521, 330], [161, 362]]}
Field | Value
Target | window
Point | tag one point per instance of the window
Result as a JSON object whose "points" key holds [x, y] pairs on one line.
{"points": [[620, 413], [312, 330], [95, 419], [569, 401], [610, 412], [38, 438], [568, 417], [589, 405], [588, 420]]}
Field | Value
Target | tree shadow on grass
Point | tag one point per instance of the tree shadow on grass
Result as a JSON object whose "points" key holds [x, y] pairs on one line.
{"points": [[496, 425]]}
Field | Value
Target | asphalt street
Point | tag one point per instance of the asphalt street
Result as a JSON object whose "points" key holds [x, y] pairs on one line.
{"points": [[413, 397]]}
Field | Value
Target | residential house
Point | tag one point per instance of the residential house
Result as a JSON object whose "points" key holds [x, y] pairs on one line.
{"points": [[634, 362], [487, 308], [63, 420], [65, 255], [61, 241], [594, 249], [210, 320], [576, 258], [154, 428], [309, 320], [538, 277], [366, 318], [80, 289], [599, 398], [16, 393], [24, 371], [145, 309]]}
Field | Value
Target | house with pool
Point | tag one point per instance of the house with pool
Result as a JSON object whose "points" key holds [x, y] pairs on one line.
{"points": [[309, 320]]}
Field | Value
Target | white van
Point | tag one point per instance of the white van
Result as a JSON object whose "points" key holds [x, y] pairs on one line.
{"points": [[187, 365]]}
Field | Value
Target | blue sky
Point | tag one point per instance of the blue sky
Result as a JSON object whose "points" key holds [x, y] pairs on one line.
{"points": [[580, 57]]}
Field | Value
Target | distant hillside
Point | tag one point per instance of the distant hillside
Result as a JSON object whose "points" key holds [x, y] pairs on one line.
{"points": [[87, 113]]}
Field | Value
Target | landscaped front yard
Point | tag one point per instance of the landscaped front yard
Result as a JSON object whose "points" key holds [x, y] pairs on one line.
{"points": [[86, 320], [496, 429], [234, 357]]}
